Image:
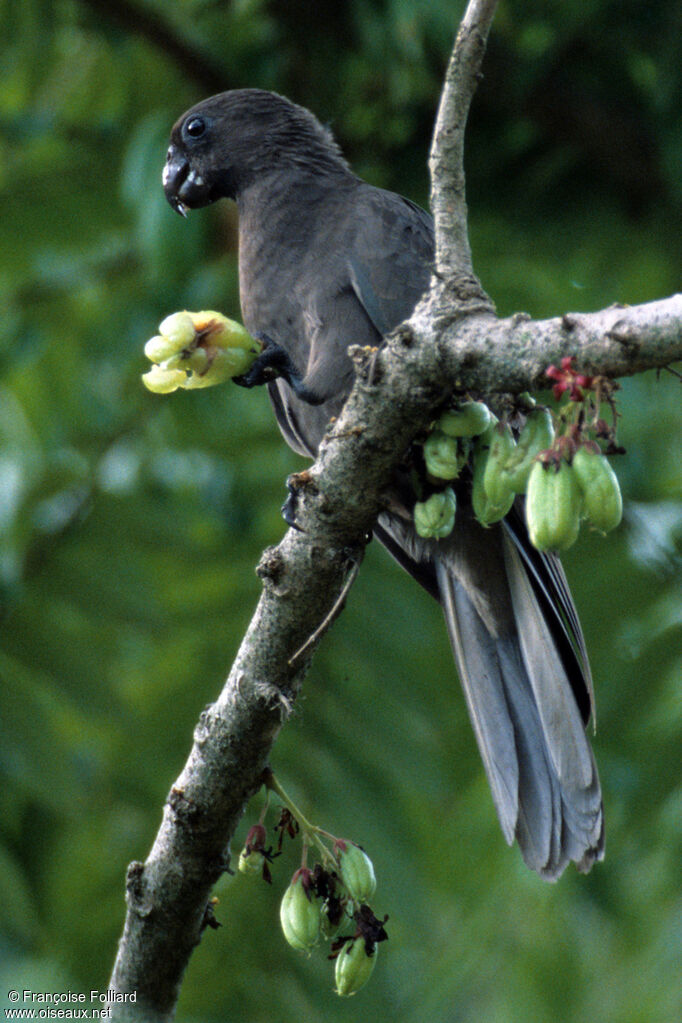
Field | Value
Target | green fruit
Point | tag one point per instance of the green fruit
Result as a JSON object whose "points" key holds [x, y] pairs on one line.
{"points": [[485, 511], [222, 332], [469, 419], [163, 381], [435, 517], [225, 363], [495, 482], [159, 348], [357, 871], [602, 500], [178, 330], [299, 915], [442, 455], [353, 967], [252, 862], [553, 506], [537, 435]]}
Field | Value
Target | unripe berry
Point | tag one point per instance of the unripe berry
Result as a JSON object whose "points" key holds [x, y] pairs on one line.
{"points": [[299, 913], [435, 517], [469, 419], [602, 500], [357, 870], [353, 967], [502, 447], [442, 456], [251, 862], [553, 506]]}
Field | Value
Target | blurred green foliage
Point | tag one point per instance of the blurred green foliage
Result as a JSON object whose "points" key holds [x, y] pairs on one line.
{"points": [[130, 524]]}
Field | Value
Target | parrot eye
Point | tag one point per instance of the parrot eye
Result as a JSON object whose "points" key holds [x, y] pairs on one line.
{"points": [[195, 127]]}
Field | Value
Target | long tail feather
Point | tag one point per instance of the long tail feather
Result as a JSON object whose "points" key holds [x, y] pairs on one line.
{"points": [[526, 681]]}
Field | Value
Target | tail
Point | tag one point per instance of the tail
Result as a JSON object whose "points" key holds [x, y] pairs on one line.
{"points": [[521, 659]]}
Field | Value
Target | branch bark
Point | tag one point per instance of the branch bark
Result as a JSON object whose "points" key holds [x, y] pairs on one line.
{"points": [[446, 160], [452, 342]]}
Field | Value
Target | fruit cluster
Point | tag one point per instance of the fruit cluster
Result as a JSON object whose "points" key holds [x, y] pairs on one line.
{"points": [[326, 899], [551, 458], [197, 350]]}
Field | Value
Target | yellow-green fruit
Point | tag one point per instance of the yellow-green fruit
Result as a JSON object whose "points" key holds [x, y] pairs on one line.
{"points": [[357, 871], [163, 381], [442, 455], [223, 332], [252, 862], [178, 330], [159, 348], [225, 364], [602, 500], [553, 506], [300, 916], [469, 419], [353, 967], [485, 511], [495, 481], [537, 435], [435, 517]]}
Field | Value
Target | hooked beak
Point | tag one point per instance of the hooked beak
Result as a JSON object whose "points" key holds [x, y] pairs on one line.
{"points": [[184, 188]]}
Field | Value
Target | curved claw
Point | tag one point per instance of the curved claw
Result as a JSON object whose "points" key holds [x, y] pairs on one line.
{"points": [[275, 362], [289, 507]]}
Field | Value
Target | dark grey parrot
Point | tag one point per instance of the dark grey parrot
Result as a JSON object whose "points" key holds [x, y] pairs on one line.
{"points": [[326, 260]]}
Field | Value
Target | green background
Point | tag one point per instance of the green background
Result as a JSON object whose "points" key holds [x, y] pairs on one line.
{"points": [[130, 524]]}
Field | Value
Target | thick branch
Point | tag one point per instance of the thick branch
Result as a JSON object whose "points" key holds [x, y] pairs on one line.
{"points": [[486, 354], [446, 161]]}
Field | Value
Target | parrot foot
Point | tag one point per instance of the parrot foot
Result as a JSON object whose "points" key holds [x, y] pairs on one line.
{"points": [[275, 363]]}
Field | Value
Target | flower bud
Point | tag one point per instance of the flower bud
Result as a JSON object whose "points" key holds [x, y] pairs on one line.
{"points": [[553, 506], [602, 500], [442, 455], [163, 381], [357, 870], [299, 913], [469, 419], [353, 967], [435, 517]]}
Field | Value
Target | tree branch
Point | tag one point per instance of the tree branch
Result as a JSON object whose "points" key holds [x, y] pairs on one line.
{"points": [[452, 341], [446, 160], [486, 355]]}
